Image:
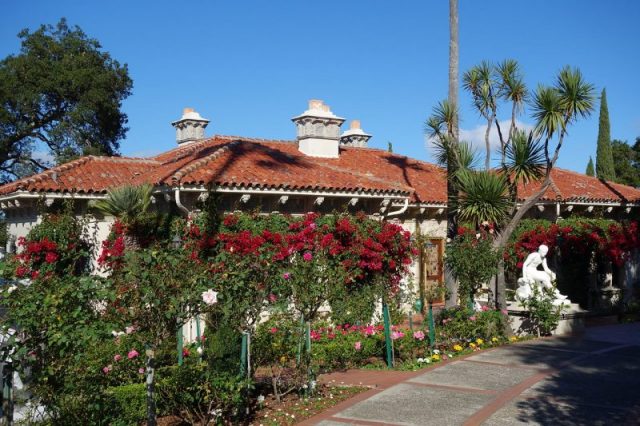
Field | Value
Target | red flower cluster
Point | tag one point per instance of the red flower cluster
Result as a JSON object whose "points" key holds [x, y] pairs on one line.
{"points": [[614, 242], [113, 247]]}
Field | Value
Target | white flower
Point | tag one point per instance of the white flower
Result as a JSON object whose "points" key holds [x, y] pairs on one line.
{"points": [[11, 289], [210, 297], [260, 399], [313, 384], [304, 386], [435, 351], [428, 360], [448, 240], [216, 413], [117, 333], [478, 235], [420, 360], [199, 350], [130, 329]]}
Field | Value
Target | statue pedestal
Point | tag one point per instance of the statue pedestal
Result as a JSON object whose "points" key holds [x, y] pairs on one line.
{"points": [[571, 319]]}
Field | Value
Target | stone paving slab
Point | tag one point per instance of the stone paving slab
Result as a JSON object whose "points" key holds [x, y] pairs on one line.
{"points": [[566, 344], [474, 375], [538, 358], [628, 334], [525, 411], [406, 404]]}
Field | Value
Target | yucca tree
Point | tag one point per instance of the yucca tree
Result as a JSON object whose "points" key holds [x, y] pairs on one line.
{"points": [[483, 197], [128, 204], [479, 82]]}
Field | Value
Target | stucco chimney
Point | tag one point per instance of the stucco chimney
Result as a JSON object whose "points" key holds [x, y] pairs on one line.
{"points": [[190, 127], [318, 131], [355, 136]]}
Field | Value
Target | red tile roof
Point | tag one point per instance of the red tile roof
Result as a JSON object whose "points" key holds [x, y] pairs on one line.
{"points": [[230, 161], [568, 186]]}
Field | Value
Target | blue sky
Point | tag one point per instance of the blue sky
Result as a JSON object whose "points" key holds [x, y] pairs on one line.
{"points": [[249, 66]]}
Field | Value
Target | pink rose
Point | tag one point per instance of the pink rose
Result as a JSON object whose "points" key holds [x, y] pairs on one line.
{"points": [[117, 357], [141, 370], [504, 312], [472, 317], [485, 308], [130, 329], [273, 298], [307, 256], [370, 330], [132, 354], [418, 335], [397, 335], [273, 330], [357, 345], [106, 369], [286, 275]]}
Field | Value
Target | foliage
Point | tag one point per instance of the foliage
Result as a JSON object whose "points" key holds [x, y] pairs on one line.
{"points": [[483, 197], [461, 324], [69, 100], [127, 203], [544, 316], [472, 259], [590, 168], [200, 395], [59, 321], [626, 162], [153, 294], [56, 246], [129, 404], [604, 156]]}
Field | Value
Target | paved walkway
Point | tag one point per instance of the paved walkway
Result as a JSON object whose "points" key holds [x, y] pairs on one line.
{"points": [[593, 379]]}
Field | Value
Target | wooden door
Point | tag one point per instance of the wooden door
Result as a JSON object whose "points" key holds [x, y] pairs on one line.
{"points": [[432, 266]]}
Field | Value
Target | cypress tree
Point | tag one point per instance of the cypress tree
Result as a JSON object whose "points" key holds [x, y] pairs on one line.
{"points": [[590, 171], [604, 155]]}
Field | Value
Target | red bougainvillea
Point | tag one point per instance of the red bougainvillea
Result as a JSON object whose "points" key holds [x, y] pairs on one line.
{"points": [[611, 240]]}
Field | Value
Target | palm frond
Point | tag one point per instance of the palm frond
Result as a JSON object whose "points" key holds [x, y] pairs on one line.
{"points": [[525, 158], [511, 83], [126, 202], [548, 111], [467, 156], [577, 97], [484, 196]]}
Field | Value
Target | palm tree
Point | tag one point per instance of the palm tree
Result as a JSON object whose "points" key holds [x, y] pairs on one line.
{"points": [[128, 204], [480, 83]]}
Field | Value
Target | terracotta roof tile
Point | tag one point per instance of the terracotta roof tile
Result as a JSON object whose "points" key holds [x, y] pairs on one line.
{"points": [[234, 161]]}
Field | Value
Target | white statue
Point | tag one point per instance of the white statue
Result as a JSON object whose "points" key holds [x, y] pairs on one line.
{"points": [[532, 277]]}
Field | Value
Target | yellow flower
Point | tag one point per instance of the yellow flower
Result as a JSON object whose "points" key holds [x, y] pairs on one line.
{"points": [[494, 339], [283, 359], [435, 357], [472, 345], [457, 348], [513, 338], [479, 341]]}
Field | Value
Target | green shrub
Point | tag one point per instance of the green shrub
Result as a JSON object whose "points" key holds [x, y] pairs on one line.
{"points": [[199, 395], [543, 315], [222, 346], [129, 404], [461, 324]]}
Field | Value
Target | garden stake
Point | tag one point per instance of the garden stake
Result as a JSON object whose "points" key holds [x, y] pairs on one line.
{"points": [[432, 327], [307, 340], [243, 355], [180, 345], [387, 334], [198, 337], [151, 403], [300, 344]]}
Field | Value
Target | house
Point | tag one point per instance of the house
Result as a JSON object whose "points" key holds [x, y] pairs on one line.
{"points": [[322, 170]]}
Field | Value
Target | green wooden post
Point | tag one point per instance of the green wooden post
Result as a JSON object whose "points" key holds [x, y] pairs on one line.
{"points": [[432, 327], [243, 355], [411, 319], [387, 334], [307, 338], [180, 345], [198, 336]]}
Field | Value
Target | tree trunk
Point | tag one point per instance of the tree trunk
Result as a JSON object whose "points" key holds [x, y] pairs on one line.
{"points": [[453, 61], [452, 223]]}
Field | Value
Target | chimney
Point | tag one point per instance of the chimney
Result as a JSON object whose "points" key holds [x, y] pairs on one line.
{"points": [[318, 131], [190, 127], [355, 136]]}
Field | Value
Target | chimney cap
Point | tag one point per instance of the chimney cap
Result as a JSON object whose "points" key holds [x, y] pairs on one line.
{"points": [[354, 129], [317, 108], [190, 114]]}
